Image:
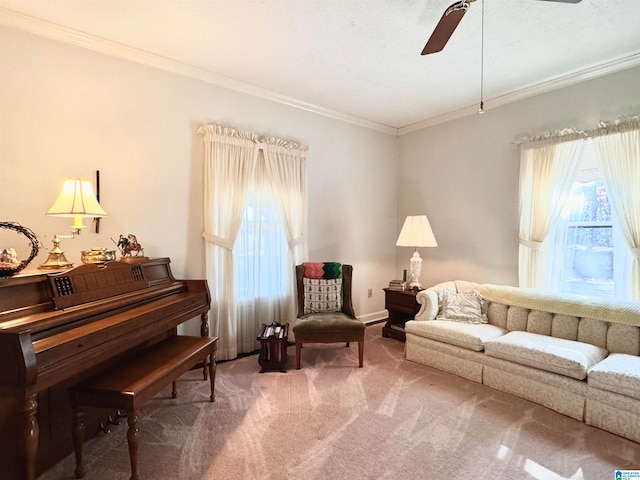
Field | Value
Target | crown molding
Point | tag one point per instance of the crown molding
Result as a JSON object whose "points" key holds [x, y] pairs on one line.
{"points": [[613, 66], [36, 26], [52, 31]]}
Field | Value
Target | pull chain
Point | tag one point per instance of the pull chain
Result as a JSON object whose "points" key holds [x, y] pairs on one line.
{"points": [[481, 110]]}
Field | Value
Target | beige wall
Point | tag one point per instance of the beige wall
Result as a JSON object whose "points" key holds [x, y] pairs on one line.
{"points": [[67, 111], [464, 175]]}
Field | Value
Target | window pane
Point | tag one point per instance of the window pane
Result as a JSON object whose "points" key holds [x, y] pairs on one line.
{"points": [[260, 252], [589, 250], [588, 202]]}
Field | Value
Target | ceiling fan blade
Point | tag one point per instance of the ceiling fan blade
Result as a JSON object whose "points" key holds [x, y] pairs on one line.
{"points": [[445, 27]]}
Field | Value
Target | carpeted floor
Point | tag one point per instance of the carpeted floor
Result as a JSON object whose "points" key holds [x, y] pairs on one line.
{"points": [[392, 419]]}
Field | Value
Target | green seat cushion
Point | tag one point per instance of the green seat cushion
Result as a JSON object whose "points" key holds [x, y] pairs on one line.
{"points": [[327, 323]]}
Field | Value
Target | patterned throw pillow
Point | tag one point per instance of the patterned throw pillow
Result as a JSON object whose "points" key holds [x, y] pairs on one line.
{"points": [[462, 307], [321, 296]]}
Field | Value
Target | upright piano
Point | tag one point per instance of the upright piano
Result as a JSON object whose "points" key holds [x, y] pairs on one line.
{"points": [[59, 328]]}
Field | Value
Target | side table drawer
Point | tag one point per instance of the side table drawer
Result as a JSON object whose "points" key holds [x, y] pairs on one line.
{"points": [[404, 303]]}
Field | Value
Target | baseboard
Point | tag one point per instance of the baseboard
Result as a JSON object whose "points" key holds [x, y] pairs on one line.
{"points": [[373, 318]]}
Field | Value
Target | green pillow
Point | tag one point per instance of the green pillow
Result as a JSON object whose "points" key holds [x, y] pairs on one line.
{"points": [[332, 270]]}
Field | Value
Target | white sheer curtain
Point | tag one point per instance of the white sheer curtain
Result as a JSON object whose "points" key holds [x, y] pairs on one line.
{"points": [[229, 168], [255, 207], [547, 170], [617, 149], [286, 166]]}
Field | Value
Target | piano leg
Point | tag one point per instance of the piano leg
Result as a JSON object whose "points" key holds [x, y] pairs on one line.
{"points": [[31, 434], [77, 432], [212, 374], [204, 332]]}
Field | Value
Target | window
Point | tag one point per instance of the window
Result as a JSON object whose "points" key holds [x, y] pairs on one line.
{"points": [[255, 222], [260, 252], [588, 255]]}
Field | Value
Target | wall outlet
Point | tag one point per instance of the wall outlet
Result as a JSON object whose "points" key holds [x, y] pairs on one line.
{"points": [[370, 293]]}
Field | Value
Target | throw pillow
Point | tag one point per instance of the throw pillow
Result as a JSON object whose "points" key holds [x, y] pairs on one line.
{"points": [[332, 270], [462, 307], [313, 269], [322, 296], [324, 270]]}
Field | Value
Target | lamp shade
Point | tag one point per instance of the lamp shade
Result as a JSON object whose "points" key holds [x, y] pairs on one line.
{"points": [[416, 232], [76, 199]]}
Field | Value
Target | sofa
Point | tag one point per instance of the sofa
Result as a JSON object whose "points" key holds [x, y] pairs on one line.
{"points": [[576, 355]]}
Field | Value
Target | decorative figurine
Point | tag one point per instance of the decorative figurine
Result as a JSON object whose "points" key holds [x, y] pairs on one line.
{"points": [[9, 263], [9, 258], [128, 244]]}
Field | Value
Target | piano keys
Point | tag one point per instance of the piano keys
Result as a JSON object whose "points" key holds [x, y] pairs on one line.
{"points": [[57, 329]]}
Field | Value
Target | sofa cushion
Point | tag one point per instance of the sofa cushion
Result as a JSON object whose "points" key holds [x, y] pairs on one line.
{"points": [[471, 336], [618, 373], [557, 355], [623, 339], [462, 307]]}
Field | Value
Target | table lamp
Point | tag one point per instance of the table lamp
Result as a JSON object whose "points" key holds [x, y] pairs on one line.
{"points": [[76, 200], [416, 232]]}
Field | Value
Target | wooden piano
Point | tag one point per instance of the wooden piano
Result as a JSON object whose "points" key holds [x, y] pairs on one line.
{"points": [[59, 328]]}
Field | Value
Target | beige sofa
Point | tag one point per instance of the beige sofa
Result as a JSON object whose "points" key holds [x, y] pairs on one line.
{"points": [[575, 355]]}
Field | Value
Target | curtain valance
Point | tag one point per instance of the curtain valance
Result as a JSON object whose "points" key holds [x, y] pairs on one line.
{"points": [[605, 127], [233, 136], [621, 125], [277, 145], [551, 138]]}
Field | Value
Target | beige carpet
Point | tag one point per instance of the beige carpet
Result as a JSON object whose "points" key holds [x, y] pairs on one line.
{"points": [[392, 419]]}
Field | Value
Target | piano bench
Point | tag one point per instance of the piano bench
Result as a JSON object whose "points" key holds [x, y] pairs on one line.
{"points": [[129, 385]]}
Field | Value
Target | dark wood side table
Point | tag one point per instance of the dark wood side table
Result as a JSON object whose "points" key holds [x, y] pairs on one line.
{"points": [[402, 306], [273, 347]]}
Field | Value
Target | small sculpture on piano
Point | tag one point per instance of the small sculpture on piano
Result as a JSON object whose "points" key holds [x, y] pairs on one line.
{"points": [[8, 257], [9, 263], [129, 244]]}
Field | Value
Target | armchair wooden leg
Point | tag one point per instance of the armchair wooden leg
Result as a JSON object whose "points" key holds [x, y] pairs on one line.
{"points": [[298, 348], [360, 352]]}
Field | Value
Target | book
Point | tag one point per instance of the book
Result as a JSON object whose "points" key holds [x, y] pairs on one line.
{"points": [[397, 285]]}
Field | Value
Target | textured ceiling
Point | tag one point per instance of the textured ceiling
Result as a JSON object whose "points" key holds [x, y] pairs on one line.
{"points": [[361, 58]]}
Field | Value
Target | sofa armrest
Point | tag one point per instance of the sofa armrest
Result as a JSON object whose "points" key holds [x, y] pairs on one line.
{"points": [[428, 300]]}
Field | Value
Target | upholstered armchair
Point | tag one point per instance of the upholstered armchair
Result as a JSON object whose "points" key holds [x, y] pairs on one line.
{"points": [[325, 309]]}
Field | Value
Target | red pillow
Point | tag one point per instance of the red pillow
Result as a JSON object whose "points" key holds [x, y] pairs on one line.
{"points": [[313, 269]]}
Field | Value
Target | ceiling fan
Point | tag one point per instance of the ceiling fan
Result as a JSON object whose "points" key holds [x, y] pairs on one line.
{"points": [[450, 20]]}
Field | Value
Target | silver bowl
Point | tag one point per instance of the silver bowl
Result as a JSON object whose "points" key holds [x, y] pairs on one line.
{"points": [[98, 255]]}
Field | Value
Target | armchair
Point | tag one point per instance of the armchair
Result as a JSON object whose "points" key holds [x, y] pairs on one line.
{"points": [[325, 311]]}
